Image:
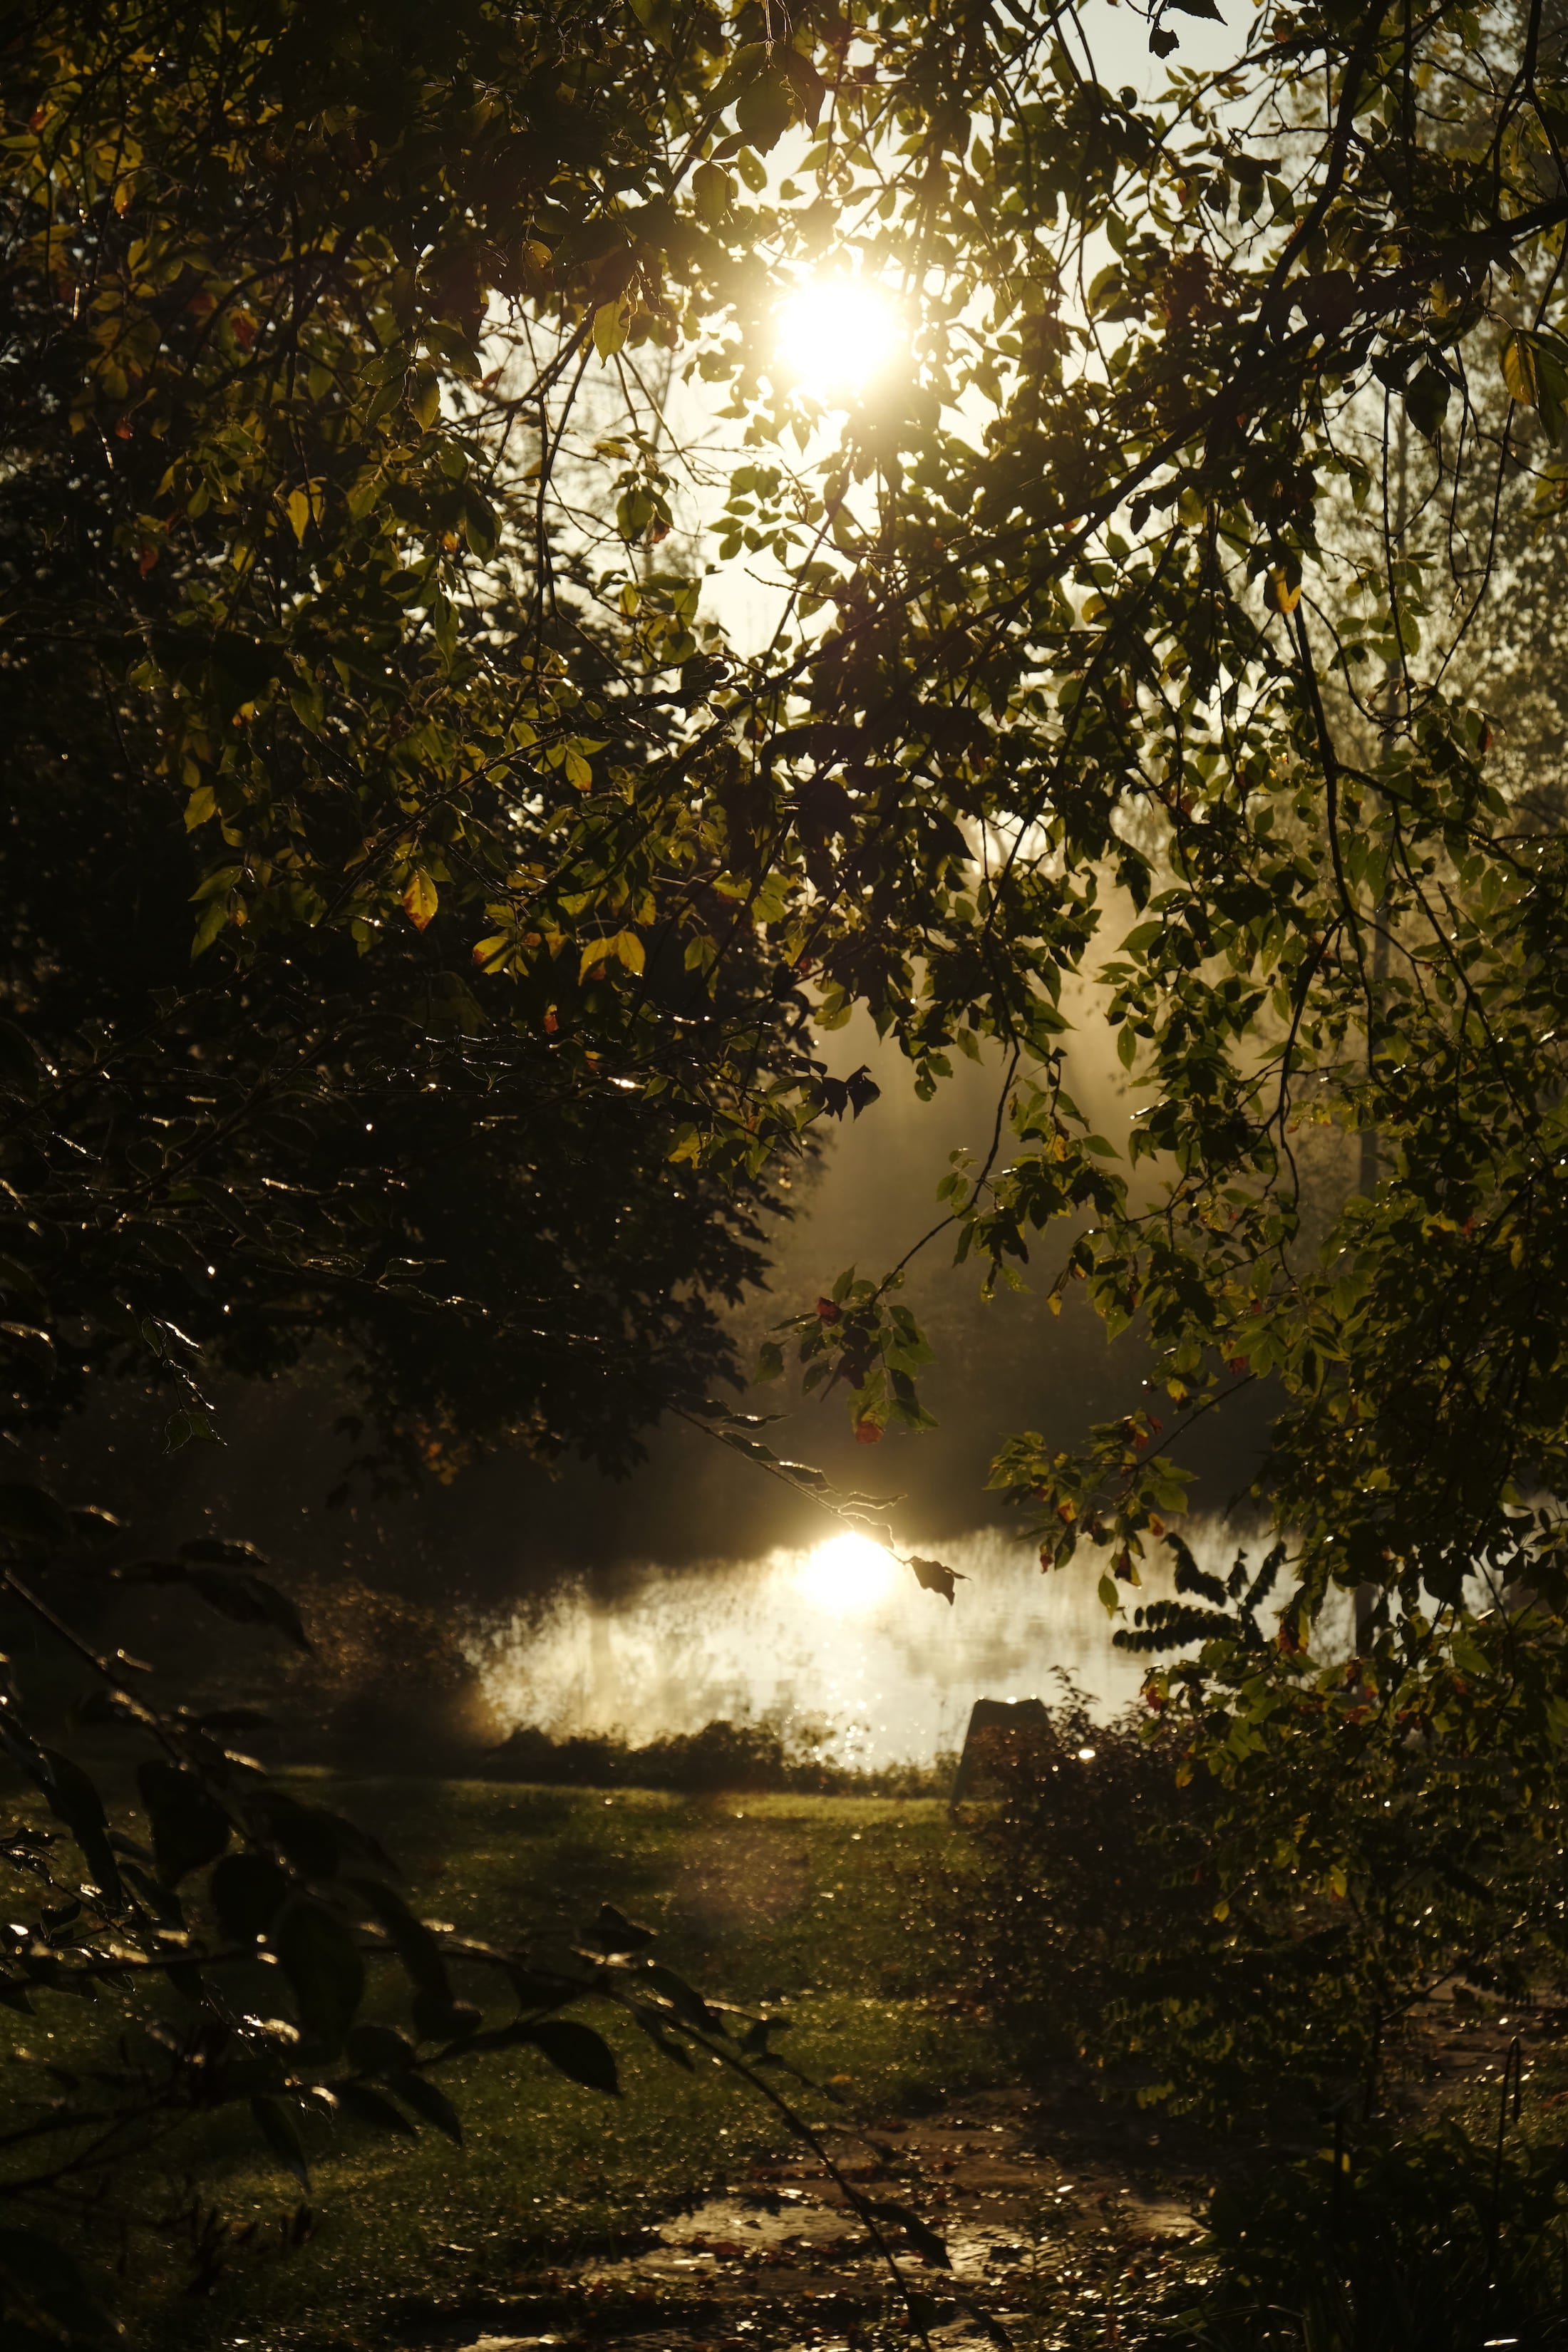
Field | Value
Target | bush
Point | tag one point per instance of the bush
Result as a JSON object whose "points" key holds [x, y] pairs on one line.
{"points": [[1093, 1868], [722, 1755], [1256, 1938], [1440, 2241]]}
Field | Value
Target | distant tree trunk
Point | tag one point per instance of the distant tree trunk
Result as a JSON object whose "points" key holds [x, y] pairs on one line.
{"points": [[1377, 977]]}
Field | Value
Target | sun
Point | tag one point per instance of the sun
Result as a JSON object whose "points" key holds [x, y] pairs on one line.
{"points": [[835, 335], [845, 1576]]}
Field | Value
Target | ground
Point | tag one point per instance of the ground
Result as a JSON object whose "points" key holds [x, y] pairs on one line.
{"points": [[682, 2212]]}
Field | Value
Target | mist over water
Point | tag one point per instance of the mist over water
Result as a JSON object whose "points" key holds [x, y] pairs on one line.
{"points": [[698, 1587], [834, 1632], [701, 1589]]}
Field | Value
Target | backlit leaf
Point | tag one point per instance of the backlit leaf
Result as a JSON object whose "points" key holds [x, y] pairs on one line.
{"points": [[420, 900], [577, 2051]]}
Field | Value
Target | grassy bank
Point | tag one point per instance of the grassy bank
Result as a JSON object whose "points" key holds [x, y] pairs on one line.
{"points": [[833, 1907]]}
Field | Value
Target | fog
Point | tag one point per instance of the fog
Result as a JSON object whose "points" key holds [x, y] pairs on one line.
{"points": [[653, 1603]]}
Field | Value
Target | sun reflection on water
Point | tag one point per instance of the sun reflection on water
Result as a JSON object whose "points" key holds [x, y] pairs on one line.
{"points": [[845, 1576]]}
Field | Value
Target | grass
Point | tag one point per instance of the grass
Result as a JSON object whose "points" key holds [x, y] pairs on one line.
{"points": [[839, 1909]]}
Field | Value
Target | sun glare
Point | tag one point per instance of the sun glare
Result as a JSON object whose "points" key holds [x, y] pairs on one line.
{"points": [[846, 1575], [835, 335]]}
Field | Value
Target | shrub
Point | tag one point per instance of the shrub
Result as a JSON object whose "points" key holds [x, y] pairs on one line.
{"points": [[722, 1755]]}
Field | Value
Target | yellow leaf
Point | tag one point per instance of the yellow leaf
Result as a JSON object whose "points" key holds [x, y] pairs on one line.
{"points": [[1281, 595], [199, 807], [306, 505], [578, 771], [425, 394], [628, 949], [609, 330], [420, 900], [714, 190], [1519, 372]]}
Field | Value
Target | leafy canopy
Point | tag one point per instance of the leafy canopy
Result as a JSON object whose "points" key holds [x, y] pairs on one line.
{"points": [[354, 544]]}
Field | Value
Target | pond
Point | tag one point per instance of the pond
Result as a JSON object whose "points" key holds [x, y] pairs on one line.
{"points": [[834, 1632], [698, 1588]]}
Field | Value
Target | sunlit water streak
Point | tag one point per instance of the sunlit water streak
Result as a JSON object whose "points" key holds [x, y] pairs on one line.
{"points": [[836, 1633]]}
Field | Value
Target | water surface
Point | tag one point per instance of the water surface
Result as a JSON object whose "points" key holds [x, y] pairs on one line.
{"points": [[834, 1632]]}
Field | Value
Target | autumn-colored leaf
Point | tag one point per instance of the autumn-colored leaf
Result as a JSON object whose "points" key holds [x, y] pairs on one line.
{"points": [[420, 900]]}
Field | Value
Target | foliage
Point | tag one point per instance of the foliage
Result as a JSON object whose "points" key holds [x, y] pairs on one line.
{"points": [[1094, 1872], [250, 570], [549, 2174], [1244, 1915], [341, 448], [387, 1678], [722, 1755], [247, 1939], [1416, 2243], [1093, 611]]}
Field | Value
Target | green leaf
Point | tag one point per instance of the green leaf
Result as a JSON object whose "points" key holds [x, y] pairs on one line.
{"points": [[248, 1600], [246, 1891], [321, 1961], [424, 396], [934, 1576], [713, 192], [764, 110], [416, 1946], [380, 2050], [420, 901], [438, 2018], [190, 1828], [372, 2107], [806, 87], [577, 2051], [1427, 401], [418, 2091], [687, 2003], [314, 1840], [73, 1798], [36, 1349], [616, 1933]]}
